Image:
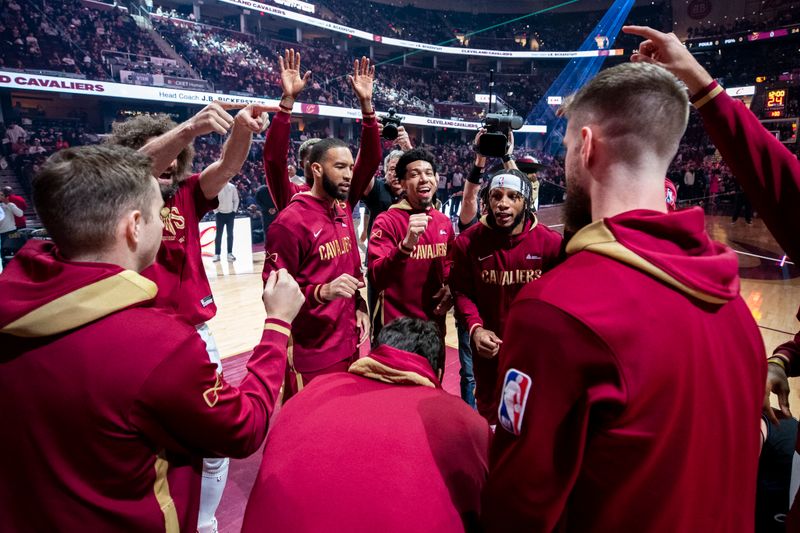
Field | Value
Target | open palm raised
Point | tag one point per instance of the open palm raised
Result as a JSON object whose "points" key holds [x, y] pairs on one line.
{"points": [[291, 80], [362, 79]]}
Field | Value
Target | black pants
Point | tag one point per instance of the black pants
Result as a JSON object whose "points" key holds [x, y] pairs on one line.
{"points": [[224, 221], [455, 203], [741, 202]]}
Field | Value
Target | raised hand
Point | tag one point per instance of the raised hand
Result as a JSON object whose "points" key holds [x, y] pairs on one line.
{"points": [[362, 79], [212, 118], [417, 224], [292, 82], [667, 51], [254, 117], [403, 141]]}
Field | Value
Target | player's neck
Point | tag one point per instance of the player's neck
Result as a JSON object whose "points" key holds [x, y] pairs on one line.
{"points": [[112, 257], [627, 191]]}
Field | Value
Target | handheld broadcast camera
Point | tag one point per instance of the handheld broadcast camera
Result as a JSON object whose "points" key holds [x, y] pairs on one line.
{"points": [[494, 142], [390, 123], [498, 126]]}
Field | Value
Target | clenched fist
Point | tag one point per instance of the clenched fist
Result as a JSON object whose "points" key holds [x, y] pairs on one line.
{"points": [[417, 224]]}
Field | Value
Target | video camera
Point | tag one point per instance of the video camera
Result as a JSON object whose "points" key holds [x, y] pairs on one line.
{"points": [[494, 142], [390, 122]]}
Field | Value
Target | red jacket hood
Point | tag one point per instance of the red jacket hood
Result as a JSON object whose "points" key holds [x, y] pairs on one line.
{"points": [[673, 248], [45, 294]]}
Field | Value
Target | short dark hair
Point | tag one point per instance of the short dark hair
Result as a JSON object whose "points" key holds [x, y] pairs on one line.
{"points": [[321, 148], [80, 193], [135, 132], [415, 154], [416, 336], [641, 108], [8, 190]]}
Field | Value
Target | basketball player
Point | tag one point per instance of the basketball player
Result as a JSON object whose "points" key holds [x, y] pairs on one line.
{"points": [[380, 448], [276, 145], [605, 420], [408, 248], [770, 177], [111, 400], [313, 238], [178, 270], [492, 261]]}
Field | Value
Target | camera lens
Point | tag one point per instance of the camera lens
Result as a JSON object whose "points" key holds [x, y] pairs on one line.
{"points": [[389, 132]]}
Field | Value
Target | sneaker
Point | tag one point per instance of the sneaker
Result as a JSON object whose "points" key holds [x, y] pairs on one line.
{"points": [[216, 259], [231, 257]]}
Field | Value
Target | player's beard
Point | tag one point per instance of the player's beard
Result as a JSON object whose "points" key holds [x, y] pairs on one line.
{"points": [[577, 207], [170, 189], [332, 189], [492, 221]]}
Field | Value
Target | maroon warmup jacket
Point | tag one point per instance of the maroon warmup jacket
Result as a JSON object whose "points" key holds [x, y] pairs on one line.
{"points": [[489, 269], [632, 381], [379, 449], [109, 405], [314, 241], [770, 177], [276, 147], [407, 283], [183, 287]]}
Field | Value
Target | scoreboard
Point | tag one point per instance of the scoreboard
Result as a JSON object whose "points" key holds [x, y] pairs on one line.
{"points": [[775, 100]]}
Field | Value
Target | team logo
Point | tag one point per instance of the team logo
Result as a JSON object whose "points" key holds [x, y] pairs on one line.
{"points": [[172, 219], [272, 257], [309, 109], [376, 234], [516, 387], [211, 396], [442, 232]]}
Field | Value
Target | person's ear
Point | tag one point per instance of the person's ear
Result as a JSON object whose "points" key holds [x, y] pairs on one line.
{"points": [[131, 227], [588, 146]]}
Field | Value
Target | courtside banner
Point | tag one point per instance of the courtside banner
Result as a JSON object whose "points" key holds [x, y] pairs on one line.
{"points": [[339, 28], [35, 82]]}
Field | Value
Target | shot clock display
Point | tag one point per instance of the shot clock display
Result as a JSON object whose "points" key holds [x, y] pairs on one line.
{"points": [[775, 102]]}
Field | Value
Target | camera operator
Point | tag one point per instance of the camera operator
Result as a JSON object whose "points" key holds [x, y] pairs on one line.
{"points": [[385, 191]]}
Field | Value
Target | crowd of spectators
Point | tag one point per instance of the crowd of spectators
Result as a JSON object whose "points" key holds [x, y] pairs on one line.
{"points": [[772, 15], [70, 37]]}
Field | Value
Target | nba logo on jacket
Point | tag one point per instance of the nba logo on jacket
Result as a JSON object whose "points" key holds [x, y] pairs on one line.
{"points": [[516, 387]]}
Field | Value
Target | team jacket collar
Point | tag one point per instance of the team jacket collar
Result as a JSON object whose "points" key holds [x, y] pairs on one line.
{"points": [[405, 206], [673, 248], [51, 295], [398, 367]]}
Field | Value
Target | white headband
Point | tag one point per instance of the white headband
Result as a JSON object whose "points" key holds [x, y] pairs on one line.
{"points": [[507, 181]]}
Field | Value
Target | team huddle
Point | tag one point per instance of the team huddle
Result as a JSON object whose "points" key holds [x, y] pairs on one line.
{"points": [[586, 415]]}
